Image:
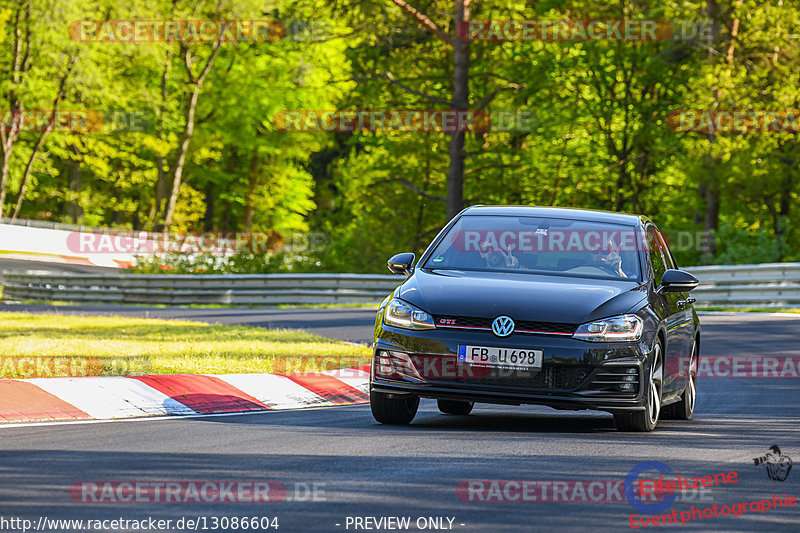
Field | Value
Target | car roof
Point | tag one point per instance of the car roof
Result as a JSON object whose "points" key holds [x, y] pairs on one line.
{"points": [[588, 215]]}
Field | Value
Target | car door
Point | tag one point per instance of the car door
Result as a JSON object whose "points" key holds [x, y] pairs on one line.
{"points": [[684, 325], [666, 305]]}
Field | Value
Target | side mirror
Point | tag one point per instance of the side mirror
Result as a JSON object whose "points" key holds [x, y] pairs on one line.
{"points": [[401, 263], [677, 281]]}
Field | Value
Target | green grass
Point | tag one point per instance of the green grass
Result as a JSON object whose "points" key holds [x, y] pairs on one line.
{"points": [[64, 303], [51, 345], [753, 309]]}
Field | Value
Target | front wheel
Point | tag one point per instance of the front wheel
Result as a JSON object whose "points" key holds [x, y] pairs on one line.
{"points": [[393, 410], [684, 408], [647, 419]]}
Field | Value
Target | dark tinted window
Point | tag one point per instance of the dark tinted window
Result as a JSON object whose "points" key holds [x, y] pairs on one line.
{"points": [[539, 245], [655, 248]]}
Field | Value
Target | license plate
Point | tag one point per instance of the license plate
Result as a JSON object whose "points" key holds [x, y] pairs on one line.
{"points": [[490, 356]]}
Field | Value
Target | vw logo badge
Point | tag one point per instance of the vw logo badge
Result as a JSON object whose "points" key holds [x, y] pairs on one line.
{"points": [[503, 326]]}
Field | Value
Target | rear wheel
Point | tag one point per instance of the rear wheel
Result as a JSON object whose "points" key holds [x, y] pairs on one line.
{"points": [[647, 419], [455, 407], [393, 410], [684, 409]]}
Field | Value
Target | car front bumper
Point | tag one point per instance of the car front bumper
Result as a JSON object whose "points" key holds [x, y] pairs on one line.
{"points": [[575, 374]]}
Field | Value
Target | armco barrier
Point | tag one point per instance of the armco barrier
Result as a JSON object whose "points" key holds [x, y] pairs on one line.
{"points": [[765, 285], [173, 289], [762, 285]]}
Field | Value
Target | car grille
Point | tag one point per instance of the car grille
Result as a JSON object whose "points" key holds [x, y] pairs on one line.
{"points": [[521, 326], [445, 369], [560, 377]]}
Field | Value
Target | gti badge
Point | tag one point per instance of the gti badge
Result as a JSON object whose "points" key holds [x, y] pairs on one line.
{"points": [[503, 326]]}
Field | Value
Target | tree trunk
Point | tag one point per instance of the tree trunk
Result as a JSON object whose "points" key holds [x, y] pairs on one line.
{"points": [[74, 210], [789, 161], [252, 185], [190, 113], [4, 176], [709, 189], [157, 208], [180, 159], [622, 179], [208, 218], [455, 173], [23, 188], [711, 197], [7, 139]]}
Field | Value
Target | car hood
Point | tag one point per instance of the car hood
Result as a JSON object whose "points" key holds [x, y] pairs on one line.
{"points": [[521, 296]]}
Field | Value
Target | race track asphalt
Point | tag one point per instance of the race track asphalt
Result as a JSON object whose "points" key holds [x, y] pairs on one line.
{"points": [[365, 469]]}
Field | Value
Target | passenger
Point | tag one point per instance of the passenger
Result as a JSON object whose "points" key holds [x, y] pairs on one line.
{"points": [[609, 260]]}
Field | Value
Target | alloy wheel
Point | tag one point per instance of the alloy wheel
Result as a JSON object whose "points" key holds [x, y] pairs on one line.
{"points": [[655, 384]]}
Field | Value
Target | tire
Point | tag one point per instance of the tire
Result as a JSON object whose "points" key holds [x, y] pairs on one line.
{"points": [[455, 407], [395, 411], [684, 409], [647, 419]]}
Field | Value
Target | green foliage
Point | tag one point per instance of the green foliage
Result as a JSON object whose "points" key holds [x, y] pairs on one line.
{"points": [[239, 263], [596, 135]]}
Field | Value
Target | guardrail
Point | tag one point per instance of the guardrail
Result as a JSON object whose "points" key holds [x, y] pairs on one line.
{"points": [[175, 289], [765, 285]]}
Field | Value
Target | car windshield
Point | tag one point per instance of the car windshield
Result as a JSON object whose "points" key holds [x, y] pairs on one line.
{"points": [[539, 245]]}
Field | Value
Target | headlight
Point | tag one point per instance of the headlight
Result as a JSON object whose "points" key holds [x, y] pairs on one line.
{"points": [[403, 315], [617, 328]]}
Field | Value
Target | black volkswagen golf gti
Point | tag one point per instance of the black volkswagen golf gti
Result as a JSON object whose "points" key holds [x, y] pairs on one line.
{"points": [[567, 308]]}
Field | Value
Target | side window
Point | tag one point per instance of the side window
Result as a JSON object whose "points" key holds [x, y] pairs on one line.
{"points": [[654, 248], [669, 261]]}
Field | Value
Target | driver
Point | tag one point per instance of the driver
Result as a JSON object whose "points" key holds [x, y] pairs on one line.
{"points": [[609, 259], [498, 258]]}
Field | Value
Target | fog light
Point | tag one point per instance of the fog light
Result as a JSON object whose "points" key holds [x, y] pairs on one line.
{"points": [[630, 378]]}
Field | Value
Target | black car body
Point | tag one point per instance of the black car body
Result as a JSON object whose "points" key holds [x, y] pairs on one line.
{"points": [[500, 310]]}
